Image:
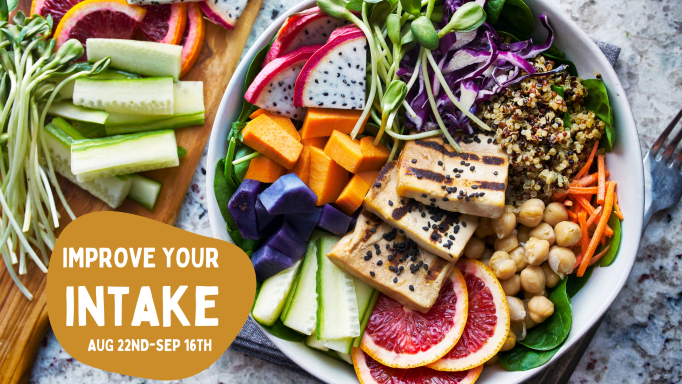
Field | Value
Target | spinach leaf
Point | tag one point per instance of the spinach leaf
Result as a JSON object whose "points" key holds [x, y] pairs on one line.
{"points": [[354, 5], [228, 165], [516, 16], [606, 260], [552, 332], [223, 192], [554, 51], [493, 8], [597, 101], [575, 283], [560, 60], [567, 115], [522, 358], [241, 168], [504, 34]]}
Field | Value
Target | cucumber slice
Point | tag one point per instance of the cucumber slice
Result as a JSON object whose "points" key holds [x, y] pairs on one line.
{"points": [[89, 130], [365, 319], [301, 314], [68, 110], [337, 307], [111, 190], [188, 110], [345, 357], [123, 154], [273, 293], [363, 294], [108, 74], [148, 96], [312, 342], [143, 57], [145, 191]]}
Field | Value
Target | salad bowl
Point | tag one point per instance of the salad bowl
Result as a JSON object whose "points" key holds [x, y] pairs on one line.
{"points": [[625, 166]]}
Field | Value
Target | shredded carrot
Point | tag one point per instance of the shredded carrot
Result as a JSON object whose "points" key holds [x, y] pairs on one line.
{"points": [[559, 196], [601, 227], [595, 258], [617, 211], [582, 201], [588, 180], [572, 215], [601, 195], [584, 239], [590, 159], [568, 203], [582, 190], [594, 216]]}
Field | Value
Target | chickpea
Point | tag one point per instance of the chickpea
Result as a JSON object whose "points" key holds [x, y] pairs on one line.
{"points": [[519, 329], [540, 308], [561, 260], [523, 233], [512, 285], [517, 310], [551, 278], [530, 295], [510, 342], [502, 265], [474, 248], [518, 254], [492, 361], [555, 213], [505, 225], [568, 234], [507, 244], [531, 212], [536, 251], [484, 229], [487, 254], [527, 320], [533, 279], [544, 231], [512, 209]]}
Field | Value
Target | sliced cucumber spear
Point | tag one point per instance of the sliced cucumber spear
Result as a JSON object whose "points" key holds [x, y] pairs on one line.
{"points": [[68, 110], [147, 96], [108, 74], [188, 110], [143, 57], [337, 307], [123, 154], [301, 313], [111, 190], [273, 295], [312, 342], [145, 191]]}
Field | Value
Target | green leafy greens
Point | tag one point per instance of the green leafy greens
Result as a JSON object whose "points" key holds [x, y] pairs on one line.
{"points": [[597, 101], [552, 332]]}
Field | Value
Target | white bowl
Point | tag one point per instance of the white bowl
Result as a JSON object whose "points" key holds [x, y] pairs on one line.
{"points": [[594, 299]]}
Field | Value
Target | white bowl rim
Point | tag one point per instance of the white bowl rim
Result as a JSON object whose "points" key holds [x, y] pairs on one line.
{"points": [[632, 226]]}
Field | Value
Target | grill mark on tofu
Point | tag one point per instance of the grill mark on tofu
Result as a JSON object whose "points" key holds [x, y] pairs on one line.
{"points": [[490, 185], [400, 212], [435, 268], [440, 148], [386, 169], [431, 175], [492, 160]]}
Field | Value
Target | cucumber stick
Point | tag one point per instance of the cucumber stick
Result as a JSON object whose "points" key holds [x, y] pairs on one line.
{"points": [[111, 190], [143, 57], [68, 110], [147, 96], [363, 294], [273, 295], [188, 110], [312, 342], [337, 307], [345, 357], [301, 312], [365, 318], [145, 191], [108, 74], [123, 154]]}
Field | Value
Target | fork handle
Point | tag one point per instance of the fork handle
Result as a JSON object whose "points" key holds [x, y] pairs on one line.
{"points": [[649, 208]]}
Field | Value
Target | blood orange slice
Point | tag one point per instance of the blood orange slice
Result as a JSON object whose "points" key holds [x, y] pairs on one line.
{"points": [[56, 8], [193, 38], [369, 371], [163, 23], [109, 19], [402, 338], [487, 324]]}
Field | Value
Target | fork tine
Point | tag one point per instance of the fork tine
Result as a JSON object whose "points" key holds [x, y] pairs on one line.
{"points": [[653, 151], [671, 146]]}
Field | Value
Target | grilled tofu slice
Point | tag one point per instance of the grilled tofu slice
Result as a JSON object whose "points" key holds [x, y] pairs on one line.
{"points": [[471, 182], [435, 230], [402, 271]]}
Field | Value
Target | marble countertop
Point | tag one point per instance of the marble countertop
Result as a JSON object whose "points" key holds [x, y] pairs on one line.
{"points": [[640, 339]]}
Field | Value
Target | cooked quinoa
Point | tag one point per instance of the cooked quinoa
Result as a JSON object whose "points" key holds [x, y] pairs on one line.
{"points": [[528, 121]]}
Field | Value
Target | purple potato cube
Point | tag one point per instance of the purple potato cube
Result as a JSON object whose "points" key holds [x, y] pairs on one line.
{"points": [[304, 223], [268, 262], [286, 240], [242, 206], [334, 221], [354, 219], [288, 194], [266, 221]]}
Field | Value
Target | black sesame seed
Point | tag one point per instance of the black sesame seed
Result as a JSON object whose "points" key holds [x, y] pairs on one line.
{"points": [[411, 288], [440, 162], [395, 279], [472, 168], [495, 173], [445, 199], [380, 262], [414, 161], [367, 257], [390, 203], [425, 228], [371, 273], [426, 267], [377, 184], [474, 186], [372, 229]]}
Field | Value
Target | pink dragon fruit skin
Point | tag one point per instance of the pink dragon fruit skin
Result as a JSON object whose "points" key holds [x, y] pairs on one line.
{"points": [[334, 77], [309, 27], [273, 88], [223, 12]]}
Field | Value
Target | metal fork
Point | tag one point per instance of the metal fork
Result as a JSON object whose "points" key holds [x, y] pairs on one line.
{"points": [[662, 181]]}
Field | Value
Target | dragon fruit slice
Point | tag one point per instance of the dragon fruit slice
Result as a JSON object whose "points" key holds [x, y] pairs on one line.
{"points": [[223, 12], [334, 77], [273, 88], [309, 27]]}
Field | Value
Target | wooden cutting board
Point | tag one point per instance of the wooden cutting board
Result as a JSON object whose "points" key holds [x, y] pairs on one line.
{"points": [[23, 323]]}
